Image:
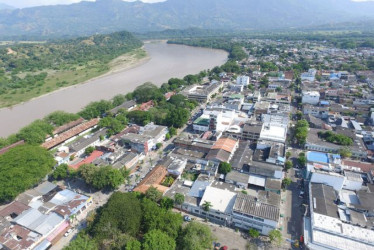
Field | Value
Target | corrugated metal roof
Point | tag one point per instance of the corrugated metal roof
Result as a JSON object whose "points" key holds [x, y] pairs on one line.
{"points": [[247, 204]]}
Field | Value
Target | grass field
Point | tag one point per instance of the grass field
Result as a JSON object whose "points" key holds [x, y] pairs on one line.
{"points": [[74, 75]]}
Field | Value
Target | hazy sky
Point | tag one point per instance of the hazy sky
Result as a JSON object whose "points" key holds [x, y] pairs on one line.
{"points": [[30, 3]]}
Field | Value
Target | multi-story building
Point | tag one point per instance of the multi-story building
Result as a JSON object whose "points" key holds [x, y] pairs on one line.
{"points": [[255, 212], [242, 80]]}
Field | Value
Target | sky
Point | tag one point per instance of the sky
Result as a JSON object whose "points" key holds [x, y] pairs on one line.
{"points": [[31, 3]]}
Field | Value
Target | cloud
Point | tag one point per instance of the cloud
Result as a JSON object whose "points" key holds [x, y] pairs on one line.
{"points": [[32, 3]]}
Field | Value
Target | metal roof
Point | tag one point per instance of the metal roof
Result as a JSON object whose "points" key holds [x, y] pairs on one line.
{"points": [[249, 205]]}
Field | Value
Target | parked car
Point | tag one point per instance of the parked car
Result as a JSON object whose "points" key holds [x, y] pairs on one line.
{"points": [[187, 218], [301, 195], [68, 232]]}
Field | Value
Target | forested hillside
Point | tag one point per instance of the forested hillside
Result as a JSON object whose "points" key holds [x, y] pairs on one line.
{"points": [[106, 16], [31, 69]]}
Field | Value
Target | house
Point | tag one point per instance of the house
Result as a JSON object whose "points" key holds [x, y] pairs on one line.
{"points": [[153, 179], [157, 132], [128, 161], [242, 80], [310, 97], [127, 106], [309, 76], [316, 111], [91, 158], [223, 150]]}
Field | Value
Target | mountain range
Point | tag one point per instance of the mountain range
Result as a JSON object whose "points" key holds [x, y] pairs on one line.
{"points": [[104, 16]]}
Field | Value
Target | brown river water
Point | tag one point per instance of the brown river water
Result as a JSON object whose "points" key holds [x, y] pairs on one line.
{"points": [[166, 61]]}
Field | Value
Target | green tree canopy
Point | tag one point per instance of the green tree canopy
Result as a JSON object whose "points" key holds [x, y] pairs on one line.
{"points": [[275, 237], [59, 118], [195, 236], [122, 212], [21, 168], [224, 168], [157, 239], [82, 242]]}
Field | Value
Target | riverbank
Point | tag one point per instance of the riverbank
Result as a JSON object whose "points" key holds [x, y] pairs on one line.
{"points": [[57, 80]]}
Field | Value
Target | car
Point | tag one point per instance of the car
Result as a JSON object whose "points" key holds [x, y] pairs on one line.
{"points": [[301, 195], [68, 232], [187, 218]]}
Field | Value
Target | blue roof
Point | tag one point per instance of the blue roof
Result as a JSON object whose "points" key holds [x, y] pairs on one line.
{"points": [[317, 157], [325, 102], [198, 188], [335, 156]]}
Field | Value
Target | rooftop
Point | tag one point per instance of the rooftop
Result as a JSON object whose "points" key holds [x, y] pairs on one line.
{"points": [[323, 198], [221, 200], [250, 205], [226, 144]]}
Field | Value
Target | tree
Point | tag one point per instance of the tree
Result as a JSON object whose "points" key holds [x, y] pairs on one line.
{"points": [[61, 172], [22, 168], [167, 203], [36, 132], [118, 100], [345, 152], [302, 160], [206, 207], [224, 168], [286, 182], [195, 236], [253, 233], [172, 131], [89, 150], [288, 165], [115, 216], [95, 109], [157, 239], [153, 194], [147, 92], [301, 131], [275, 237], [288, 154], [82, 242], [101, 177], [133, 245], [158, 145], [179, 199], [59, 118], [177, 117]]}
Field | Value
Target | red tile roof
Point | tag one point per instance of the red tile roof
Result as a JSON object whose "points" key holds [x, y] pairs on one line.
{"points": [[70, 133], [226, 144], [95, 154], [68, 126], [365, 167]]}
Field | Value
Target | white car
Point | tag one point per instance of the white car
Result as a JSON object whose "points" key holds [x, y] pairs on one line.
{"points": [[68, 232]]}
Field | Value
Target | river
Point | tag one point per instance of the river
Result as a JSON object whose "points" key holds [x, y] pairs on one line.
{"points": [[166, 61]]}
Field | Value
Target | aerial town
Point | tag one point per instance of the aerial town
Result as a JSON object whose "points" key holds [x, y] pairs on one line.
{"points": [[283, 143]]}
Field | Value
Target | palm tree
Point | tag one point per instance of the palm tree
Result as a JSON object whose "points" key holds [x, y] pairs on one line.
{"points": [[206, 207]]}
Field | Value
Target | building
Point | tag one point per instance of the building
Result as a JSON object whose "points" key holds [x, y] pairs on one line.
{"points": [[222, 202], [251, 132], [260, 213], [39, 217], [138, 143], [339, 220], [272, 131], [310, 97], [70, 134], [127, 106], [223, 150], [316, 111], [78, 147], [157, 132], [315, 143], [202, 93], [309, 76], [242, 80]]}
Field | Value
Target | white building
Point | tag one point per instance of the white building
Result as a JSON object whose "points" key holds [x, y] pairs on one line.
{"points": [[311, 97], [242, 80], [273, 132], [222, 202], [309, 76]]}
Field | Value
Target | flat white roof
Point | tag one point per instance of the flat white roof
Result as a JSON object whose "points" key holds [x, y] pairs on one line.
{"points": [[257, 180], [346, 234], [273, 133], [221, 199]]}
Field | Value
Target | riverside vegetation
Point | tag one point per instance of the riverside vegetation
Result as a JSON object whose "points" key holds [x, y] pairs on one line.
{"points": [[28, 70]]}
